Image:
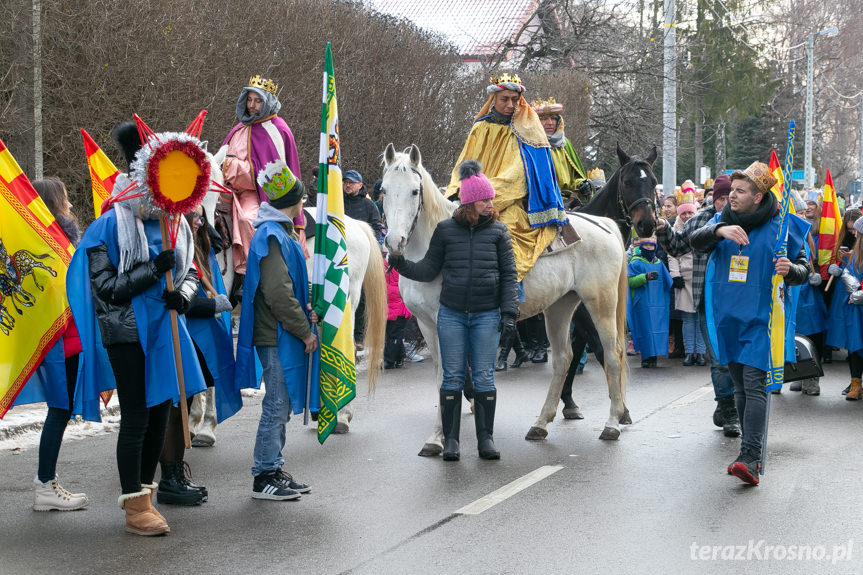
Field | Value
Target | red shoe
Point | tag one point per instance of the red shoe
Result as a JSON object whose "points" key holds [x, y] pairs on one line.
{"points": [[746, 472]]}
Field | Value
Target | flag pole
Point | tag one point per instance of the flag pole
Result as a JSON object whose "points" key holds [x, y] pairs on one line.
{"points": [[175, 335], [307, 407]]}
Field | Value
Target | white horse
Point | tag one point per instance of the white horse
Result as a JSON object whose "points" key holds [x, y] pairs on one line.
{"points": [[593, 271], [366, 271]]}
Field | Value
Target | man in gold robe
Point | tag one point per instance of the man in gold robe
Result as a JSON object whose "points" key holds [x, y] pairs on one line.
{"points": [[575, 188], [509, 141]]}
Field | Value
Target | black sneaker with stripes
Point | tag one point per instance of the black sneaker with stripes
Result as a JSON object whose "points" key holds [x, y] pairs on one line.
{"points": [[288, 480], [268, 485]]}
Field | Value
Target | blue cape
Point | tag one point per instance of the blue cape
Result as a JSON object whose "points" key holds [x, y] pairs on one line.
{"points": [[845, 326], [151, 318], [48, 382], [544, 201], [213, 337], [738, 313], [647, 312], [811, 311], [291, 350]]}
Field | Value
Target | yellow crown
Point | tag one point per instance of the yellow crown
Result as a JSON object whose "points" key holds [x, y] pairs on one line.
{"points": [[264, 84], [506, 78], [549, 106]]}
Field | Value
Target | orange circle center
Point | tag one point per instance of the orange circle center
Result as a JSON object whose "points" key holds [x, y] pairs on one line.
{"points": [[178, 174]]}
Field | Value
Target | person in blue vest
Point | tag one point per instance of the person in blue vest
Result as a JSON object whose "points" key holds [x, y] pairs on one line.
{"points": [[54, 380], [209, 323], [276, 323], [845, 328], [118, 295], [647, 312], [738, 297], [811, 321]]}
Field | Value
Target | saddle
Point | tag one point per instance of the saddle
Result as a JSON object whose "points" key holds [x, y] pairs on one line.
{"points": [[566, 238]]}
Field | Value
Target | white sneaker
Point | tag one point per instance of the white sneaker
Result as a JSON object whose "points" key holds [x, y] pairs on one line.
{"points": [[51, 495], [414, 357]]}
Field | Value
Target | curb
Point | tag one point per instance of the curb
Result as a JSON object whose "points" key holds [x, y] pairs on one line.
{"points": [[15, 431]]}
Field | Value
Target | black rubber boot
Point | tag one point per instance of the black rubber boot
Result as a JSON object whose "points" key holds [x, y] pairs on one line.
{"points": [[484, 404], [450, 408], [540, 354], [173, 490], [731, 427]]}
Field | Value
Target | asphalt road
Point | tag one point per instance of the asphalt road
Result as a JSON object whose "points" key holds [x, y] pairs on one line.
{"points": [[656, 501]]}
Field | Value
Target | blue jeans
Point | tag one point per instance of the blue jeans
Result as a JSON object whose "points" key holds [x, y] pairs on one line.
{"points": [[723, 387], [275, 413], [693, 339], [464, 336]]}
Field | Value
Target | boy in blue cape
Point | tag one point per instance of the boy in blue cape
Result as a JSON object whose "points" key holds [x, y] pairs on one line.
{"points": [[738, 297], [275, 324], [647, 312]]}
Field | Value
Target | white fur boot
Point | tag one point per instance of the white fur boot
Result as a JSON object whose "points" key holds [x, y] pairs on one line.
{"points": [[205, 435]]}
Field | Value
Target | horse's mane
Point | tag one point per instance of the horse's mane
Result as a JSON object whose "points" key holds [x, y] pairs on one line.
{"points": [[435, 206]]}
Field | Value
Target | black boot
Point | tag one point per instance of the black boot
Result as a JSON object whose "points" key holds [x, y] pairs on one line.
{"points": [[731, 427], [505, 346], [185, 475], [484, 404], [689, 360], [173, 490], [450, 410], [719, 413], [521, 354], [540, 355]]}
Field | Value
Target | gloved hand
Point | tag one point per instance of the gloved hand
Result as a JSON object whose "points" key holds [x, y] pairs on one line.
{"points": [[165, 261], [223, 304], [506, 327], [856, 298], [652, 276], [175, 300], [834, 270], [396, 261], [814, 279], [585, 189], [677, 282]]}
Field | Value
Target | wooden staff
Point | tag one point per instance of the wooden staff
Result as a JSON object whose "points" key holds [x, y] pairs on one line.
{"points": [[175, 333]]}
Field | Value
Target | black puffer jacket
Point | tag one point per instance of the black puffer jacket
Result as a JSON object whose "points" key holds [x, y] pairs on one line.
{"points": [[477, 264], [113, 293], [359, 207]]}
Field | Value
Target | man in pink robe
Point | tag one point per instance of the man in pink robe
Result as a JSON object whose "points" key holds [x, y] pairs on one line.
{"points": [[259, 138]]}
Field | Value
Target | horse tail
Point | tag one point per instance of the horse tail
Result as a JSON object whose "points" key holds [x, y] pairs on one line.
{"points": [[375, 289], [620, 317]]}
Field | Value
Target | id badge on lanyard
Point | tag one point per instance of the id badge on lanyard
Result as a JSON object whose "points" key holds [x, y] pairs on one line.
{"points": [[739, 268]]}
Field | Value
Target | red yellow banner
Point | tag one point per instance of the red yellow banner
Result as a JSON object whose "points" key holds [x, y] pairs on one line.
{"points": [[34, 259], [828, 229], [102, 172]]}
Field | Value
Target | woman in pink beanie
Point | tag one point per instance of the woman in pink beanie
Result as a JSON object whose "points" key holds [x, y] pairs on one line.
{"points": [[472, 251]]}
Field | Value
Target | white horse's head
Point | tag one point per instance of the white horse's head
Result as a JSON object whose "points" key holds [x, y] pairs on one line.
{"points": [[411, 201]]}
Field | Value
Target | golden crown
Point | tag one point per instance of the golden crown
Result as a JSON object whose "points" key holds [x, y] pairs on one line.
{"points": [[514, 79], [263, 83], [548, 106]]}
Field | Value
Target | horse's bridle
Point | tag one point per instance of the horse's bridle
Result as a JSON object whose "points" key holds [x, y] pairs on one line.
{"points": [[625, 210], [419, 209]]}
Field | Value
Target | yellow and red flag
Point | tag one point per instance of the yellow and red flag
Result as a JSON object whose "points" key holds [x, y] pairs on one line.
{"points": [[102, 172], [775, 169], [828, 229], [34, 259]]}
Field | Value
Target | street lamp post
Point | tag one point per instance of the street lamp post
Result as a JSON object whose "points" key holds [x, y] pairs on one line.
{"points": [[669, 103], [808, 172]]}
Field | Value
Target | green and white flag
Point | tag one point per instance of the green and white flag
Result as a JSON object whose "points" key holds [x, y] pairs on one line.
{"points": [[330, 281]]}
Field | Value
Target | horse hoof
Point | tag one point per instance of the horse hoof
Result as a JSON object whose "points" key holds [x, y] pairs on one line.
{"points": [[572, 413], [626, 419], [610, 433], [536, 434], [341, 428], [430, 450]]}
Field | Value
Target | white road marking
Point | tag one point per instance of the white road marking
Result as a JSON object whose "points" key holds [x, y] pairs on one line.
{"points": [[508, 490], [691, 397]]}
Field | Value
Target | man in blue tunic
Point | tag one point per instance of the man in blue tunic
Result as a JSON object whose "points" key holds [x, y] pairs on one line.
{"points": [[738, 297], [275, 324]]}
